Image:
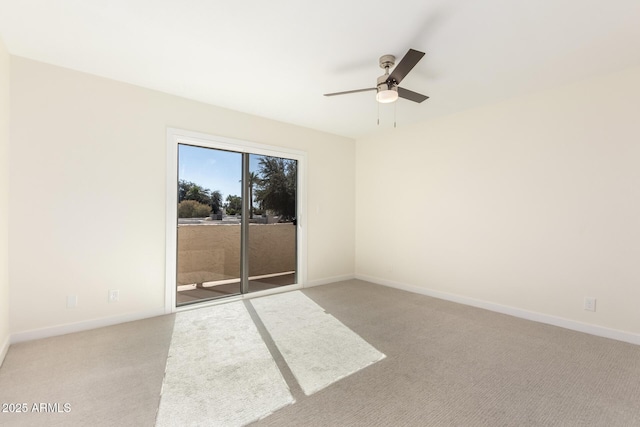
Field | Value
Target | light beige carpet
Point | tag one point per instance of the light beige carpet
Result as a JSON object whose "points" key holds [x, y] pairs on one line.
{"points": [[108, 376], [317, 347], [219, 371], [452, 365], [447, 365]]}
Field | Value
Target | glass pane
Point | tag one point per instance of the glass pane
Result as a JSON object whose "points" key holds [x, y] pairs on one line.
{"points": [[272, 216], [209, 207]]}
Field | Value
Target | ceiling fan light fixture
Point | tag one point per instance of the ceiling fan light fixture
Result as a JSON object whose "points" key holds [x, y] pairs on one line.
{"points": [[387, 96], [387, 84]]}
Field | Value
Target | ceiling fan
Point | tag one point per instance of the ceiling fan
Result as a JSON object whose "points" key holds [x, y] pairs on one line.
{"points": [[387, 86]]}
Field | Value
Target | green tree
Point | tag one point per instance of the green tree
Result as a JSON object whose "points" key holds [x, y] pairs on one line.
{"points": [[183, 188], [199, 194], [216, 201], [234, 205], [254, 179], [188, 190], [276, 188]]}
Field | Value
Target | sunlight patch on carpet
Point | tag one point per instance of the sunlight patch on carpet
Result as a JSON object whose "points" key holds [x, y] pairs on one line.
{"points": [[219, 371], [317, 347]]}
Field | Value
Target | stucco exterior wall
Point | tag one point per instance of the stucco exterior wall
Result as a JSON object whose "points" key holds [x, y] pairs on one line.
{"points": [[208, 252]]}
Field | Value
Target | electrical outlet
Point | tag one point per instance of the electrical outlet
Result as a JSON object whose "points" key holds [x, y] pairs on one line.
{"points": [[589, 303], [72, 301], [114, 295]]}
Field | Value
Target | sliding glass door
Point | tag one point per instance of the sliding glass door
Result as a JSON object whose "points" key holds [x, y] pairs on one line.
{"points": [[208, 228], [272, 221], [236, 223]]}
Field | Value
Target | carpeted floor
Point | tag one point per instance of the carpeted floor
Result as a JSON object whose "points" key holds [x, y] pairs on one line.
{"points": [[318, 349], [108, 376], [219, 371], [447, 364]]}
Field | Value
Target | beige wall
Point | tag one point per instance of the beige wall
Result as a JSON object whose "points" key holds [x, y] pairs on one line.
{"points": [[531, 203], [88, 192], [4, 199]]}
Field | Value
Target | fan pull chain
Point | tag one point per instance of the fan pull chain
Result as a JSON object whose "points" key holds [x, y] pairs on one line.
{"points": [[395, 108], [378, 112]]}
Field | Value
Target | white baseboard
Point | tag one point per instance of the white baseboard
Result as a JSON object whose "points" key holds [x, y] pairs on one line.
{"points": [[328, 280], [68, 328], [574, 325], [4, 349], [114, 320]]}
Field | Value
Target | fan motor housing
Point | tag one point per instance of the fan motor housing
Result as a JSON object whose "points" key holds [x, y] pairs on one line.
{"points": [[387, 61], [383, 84]]}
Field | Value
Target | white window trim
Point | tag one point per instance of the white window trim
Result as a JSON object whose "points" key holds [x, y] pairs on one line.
{"points": [[181, 136]]}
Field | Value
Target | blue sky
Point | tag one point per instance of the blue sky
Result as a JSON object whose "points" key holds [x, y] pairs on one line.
{"points": [[213, 169]]}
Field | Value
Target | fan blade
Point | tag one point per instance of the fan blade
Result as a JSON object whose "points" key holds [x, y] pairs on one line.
{"points": [[411, 95], [406, 64], [351, 91]]}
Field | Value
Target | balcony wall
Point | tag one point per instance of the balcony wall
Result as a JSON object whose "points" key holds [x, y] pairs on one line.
{"points": [[211, 252]]}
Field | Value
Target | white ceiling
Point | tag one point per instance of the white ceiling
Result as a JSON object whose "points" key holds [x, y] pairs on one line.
{"points": [[276, 58]]}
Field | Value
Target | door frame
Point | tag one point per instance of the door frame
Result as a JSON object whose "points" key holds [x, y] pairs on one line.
{"points": [[181, 136]]}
